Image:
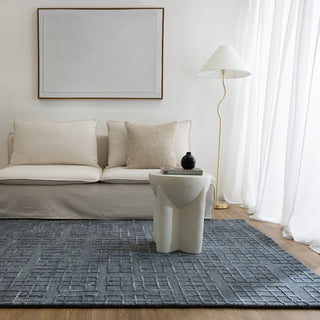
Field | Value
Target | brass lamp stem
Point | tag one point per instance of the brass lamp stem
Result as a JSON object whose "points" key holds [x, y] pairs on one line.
{"points": [[220, 205]]}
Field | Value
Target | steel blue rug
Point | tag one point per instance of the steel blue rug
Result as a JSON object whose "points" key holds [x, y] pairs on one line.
{"points": [[98, 263]]}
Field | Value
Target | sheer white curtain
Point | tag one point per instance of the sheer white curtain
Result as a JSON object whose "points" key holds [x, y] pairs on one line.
{"points": [[275, 142]]}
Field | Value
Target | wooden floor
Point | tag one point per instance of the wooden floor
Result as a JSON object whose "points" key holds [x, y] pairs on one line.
{"points": [[301, 252]]}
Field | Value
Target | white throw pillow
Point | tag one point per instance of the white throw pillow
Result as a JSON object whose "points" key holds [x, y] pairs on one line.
{"points": [[45, 142], [151, 146], [117, 138]]}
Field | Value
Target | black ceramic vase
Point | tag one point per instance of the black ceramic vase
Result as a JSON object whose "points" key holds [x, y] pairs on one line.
{"points": [[188, 161]]}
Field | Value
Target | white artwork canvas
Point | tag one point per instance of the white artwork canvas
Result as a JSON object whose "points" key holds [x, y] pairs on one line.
{"points": [[100, 53]]}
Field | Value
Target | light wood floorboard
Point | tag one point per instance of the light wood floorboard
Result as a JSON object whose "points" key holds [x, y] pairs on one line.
{"points": [[300, 251]]}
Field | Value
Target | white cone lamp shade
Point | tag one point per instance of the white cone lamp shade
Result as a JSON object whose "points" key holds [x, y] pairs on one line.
{"points": [[224, 58]]}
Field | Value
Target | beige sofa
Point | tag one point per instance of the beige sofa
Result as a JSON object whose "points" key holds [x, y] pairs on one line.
{"points": [[67, 191]]}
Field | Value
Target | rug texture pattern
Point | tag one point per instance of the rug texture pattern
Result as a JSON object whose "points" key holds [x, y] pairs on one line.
{"points": [[98, 263]]}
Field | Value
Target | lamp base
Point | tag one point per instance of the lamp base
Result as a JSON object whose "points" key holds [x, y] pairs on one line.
{"points": [[221, 205]]}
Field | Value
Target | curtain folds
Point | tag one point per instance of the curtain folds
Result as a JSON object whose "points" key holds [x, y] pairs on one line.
{"points": [[275, 170]]}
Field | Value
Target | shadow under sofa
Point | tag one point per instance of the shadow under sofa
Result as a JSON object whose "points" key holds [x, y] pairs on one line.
{"points": [[125, 194]]}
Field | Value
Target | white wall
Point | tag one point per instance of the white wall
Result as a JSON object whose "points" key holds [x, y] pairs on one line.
{"points": [[193, 30]]}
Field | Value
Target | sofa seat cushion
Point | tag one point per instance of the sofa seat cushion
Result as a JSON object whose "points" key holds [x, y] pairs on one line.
{"points": [[125, 175], [49, 174]]}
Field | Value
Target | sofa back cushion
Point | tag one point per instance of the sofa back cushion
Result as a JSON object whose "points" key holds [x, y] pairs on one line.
{"points": [[45, 142], [117, 139], [118, 147], [10, 145], [102, 145]]}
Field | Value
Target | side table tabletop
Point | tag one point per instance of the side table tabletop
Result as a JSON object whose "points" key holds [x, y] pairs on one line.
{"points": [[179, 211]]}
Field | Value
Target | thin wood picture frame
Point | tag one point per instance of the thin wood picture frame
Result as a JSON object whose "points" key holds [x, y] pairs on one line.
{"points": [[100, 53]]}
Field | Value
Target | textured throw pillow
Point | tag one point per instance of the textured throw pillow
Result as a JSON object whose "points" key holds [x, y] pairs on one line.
{"points": [[45, 142], [117, 138], [151, 146]]}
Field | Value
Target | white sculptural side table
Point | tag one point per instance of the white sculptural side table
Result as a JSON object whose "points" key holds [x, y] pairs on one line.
{"points": [[179, 211]]}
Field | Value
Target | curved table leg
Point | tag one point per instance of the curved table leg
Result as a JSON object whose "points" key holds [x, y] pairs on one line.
{"points": [[178, 228]]}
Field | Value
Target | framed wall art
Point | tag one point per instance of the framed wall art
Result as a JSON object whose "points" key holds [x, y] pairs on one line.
{"points": [[104, 53]]}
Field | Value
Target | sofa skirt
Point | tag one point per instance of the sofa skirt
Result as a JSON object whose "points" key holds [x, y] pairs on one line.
{"points": [[82, 201]]}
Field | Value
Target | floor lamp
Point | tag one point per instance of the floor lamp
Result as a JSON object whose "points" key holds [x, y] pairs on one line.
{"points": [[225, 63]]}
